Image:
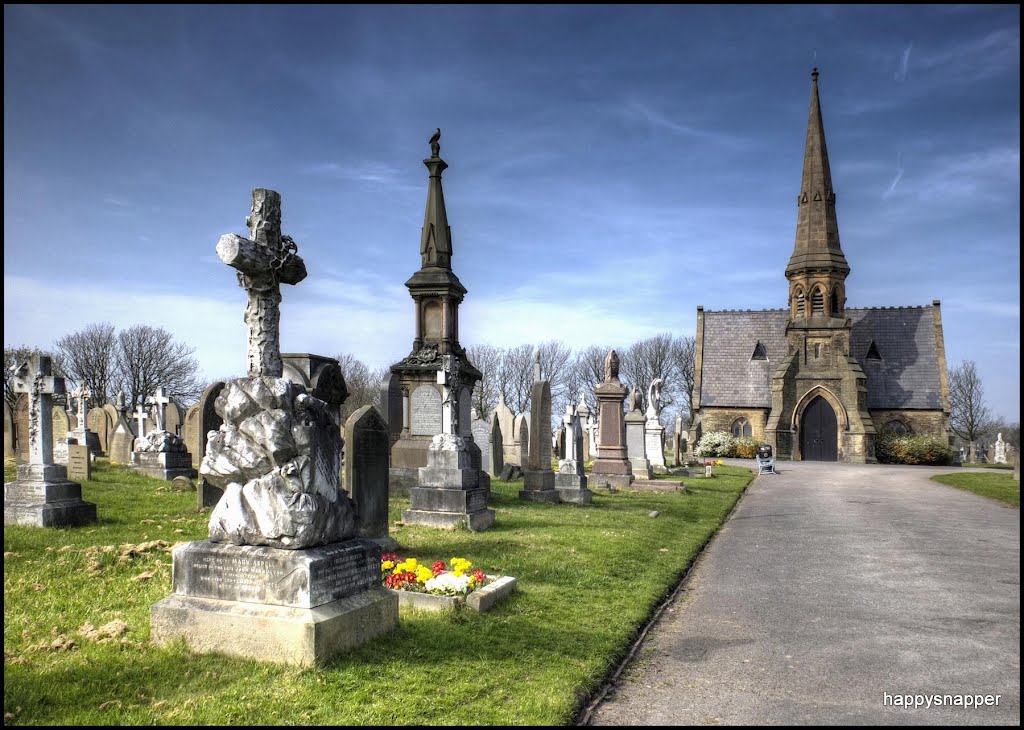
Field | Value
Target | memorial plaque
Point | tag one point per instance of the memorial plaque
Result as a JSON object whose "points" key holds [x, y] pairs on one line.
{"points": [[426, 411], [79, 465]]}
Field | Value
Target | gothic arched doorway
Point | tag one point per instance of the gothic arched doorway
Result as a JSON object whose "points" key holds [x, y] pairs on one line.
{"points": [[819, 432]]}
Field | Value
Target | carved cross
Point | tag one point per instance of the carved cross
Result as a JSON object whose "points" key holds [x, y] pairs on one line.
{"points": [[449, 377], [82, 395], [142, 417], [160, 399], [263, 262], [34, 378]]}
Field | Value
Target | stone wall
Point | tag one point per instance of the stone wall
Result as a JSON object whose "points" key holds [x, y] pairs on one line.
{"points": [[921, 423], [721, 419]]}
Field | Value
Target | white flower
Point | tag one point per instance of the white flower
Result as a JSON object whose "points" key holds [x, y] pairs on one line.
{"points": [[448, 584]]}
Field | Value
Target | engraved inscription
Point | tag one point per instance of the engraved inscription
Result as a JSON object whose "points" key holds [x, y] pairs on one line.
{"points": [[426, 411]]}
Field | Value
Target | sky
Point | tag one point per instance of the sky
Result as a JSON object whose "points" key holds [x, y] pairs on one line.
{"points": [[611, 167]]}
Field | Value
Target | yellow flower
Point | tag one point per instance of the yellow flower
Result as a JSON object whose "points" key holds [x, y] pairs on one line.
{"points": [[387, 565], [423, 574], [408, 566]]}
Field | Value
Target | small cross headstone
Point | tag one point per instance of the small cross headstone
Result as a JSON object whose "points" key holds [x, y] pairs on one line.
{"points": [[160, 399], [141, 416]]}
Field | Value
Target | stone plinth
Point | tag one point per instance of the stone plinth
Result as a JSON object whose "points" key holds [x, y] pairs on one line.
{"points": [[42, 496], [654, 442], [572, 487], [287, 606], [539, 486], [162, 464], [636, 446], [449, 491]]}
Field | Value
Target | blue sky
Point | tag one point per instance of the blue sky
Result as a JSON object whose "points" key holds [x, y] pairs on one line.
{"points": [[610, 167]]}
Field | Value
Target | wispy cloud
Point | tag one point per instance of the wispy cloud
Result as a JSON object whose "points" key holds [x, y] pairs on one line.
{"points": [[636, 110], [901, 72], [895, 180]]}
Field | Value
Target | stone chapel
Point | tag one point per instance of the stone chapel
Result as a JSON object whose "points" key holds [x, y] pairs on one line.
{"points": [[816, 380]]}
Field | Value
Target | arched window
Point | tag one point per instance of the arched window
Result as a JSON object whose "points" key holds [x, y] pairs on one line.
{"points": [[834, 303], [741, 428], [897, 427], [817, 303], [800, 304]]}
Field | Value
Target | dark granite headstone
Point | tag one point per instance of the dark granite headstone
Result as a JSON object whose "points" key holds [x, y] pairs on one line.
{"points": [[365, 471]]}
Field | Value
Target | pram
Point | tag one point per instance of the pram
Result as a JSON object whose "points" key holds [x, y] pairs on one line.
{"points": [[765, 460]]}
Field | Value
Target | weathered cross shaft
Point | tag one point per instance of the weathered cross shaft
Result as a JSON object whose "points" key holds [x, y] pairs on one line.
{"points": [[263, 264]]}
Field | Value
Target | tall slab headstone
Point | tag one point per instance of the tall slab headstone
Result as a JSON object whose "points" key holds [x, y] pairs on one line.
{"points": [[611, 469], [42, 495], [583, 411], [506, 423], [283, 578], [497, 450], [367, 443], [570, 481], [391, 405], [636, 444], [538, 477], [8, 431]]}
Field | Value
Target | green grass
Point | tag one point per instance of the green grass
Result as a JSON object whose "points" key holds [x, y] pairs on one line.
{"points": [[588, 579], [995, 486]]}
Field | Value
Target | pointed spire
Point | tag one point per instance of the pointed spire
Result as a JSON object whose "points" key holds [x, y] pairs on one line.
{"points": [[536, 364], [817, 245], [436, 237]]}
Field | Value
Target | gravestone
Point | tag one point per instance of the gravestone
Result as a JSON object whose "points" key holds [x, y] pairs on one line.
{"points": [[8, 431], [98, 422], [79, 462], [282, 578], [636, 444], [611, 469], [42, 495], [322, 378], [677, 443], [538, 478], [391, 405], [209, 421], [450, 490], [61, 426], [583, 411], [506, 422], [190, 435], [122, 443], [425, 411], [558, 443], [570, 481], [113, 416], [174, 419], [654, 432], [497, 447], [999, 451], [366, 446], [160, 454], [521, 438]]}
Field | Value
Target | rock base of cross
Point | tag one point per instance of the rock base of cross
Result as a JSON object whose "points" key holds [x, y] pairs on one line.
{"points": [[297, 607], [42, 496]]}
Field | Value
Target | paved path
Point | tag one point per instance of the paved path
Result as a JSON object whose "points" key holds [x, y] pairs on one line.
{"points": [[831, 585]]}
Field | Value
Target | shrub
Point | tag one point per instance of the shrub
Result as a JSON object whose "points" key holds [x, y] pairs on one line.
{"points": [[715, 443], [892, 448], [745, 448]]}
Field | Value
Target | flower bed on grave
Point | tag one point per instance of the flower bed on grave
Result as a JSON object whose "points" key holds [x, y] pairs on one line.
{"points": [[441, 585]]}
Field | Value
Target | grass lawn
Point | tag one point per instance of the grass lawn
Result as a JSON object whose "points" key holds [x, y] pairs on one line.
{"points": [[997, 486], [588, 578]]}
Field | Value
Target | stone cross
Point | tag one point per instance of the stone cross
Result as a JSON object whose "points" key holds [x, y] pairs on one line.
{"points": [[142, 417], [160, 399], [82, 395], [35, 379], [449, 377], [264, 263]]}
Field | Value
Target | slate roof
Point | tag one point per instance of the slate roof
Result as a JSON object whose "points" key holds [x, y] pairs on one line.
{"points": [[907, 376]]}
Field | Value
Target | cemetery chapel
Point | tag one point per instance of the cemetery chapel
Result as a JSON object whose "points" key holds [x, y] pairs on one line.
{"points": [[818, 381]]}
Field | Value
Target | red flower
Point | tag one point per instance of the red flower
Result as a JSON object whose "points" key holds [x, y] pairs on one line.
{"points": [[393, 557], [438, 567], [481, 577]]}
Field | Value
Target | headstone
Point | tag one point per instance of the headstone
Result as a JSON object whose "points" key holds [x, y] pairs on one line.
{"points": [[496, 450], [450, 490], [636, 443], [79, 462], [521, 439], [482, 438], [391, 405], [999, 451], [174, 419], [426, 411], [322, 377], [506, 423], [583, 411], [209, 421], [612, 468], [113, 416], [61, 426], [538, 478], [654, 432], [8, 431], [160, 454], [290, 581], [182, 484], [558, 443], [98, 422], [570, 481], [366, 446], [42, 495], [122, 443]]}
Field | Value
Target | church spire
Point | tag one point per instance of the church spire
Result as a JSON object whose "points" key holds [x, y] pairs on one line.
{"points": [[436, 238], [817, 269]]}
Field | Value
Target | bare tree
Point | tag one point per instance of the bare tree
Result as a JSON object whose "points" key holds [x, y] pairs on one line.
{"points": [[684, 352], [363, 384], [14, 356], [556, 362], [515, 377], [969, 417], [486, 359], [89, 359], [587, 371], [148, 358]]}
